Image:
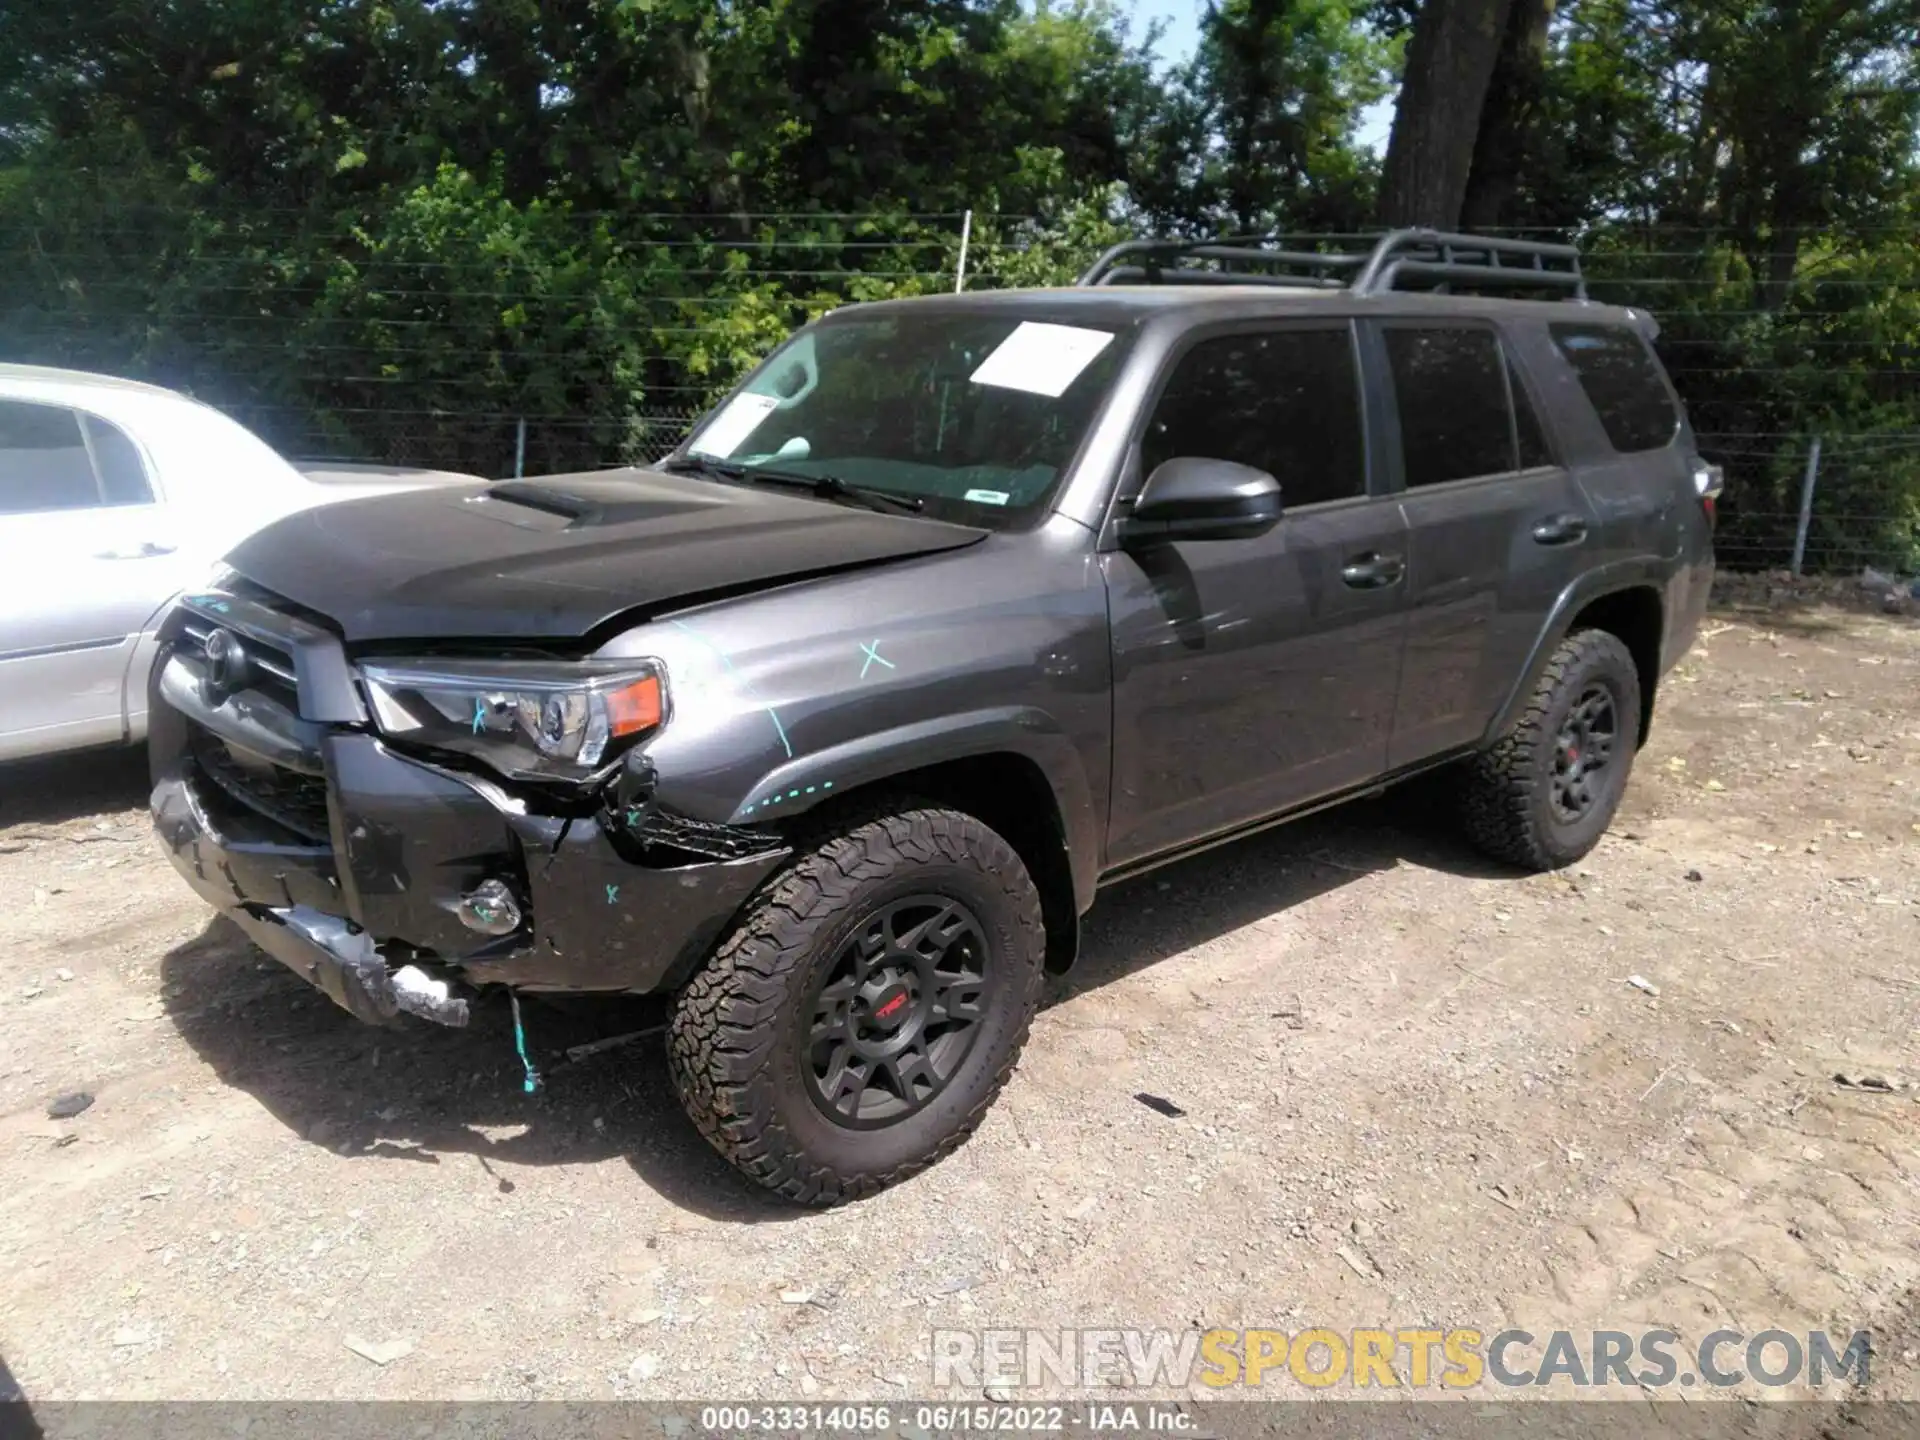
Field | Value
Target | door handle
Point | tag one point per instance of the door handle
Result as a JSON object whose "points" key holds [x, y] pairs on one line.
{"points": [[1560, 530], [145, 550], [1372, 571]]}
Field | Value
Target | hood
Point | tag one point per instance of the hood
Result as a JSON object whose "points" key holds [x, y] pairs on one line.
{"points": [[554, 558]]}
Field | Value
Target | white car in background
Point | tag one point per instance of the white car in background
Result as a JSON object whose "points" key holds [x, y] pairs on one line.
{"points": [[114, 498]]}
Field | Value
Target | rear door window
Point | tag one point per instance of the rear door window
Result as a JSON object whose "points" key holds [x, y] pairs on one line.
{"points": [[44, 463], [52, 458], [1456, 416], [1623, 381], [1283, 401], [1534, 450]]}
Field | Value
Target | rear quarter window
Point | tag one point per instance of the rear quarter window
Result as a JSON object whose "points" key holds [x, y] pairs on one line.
{"points": [[123, 478], [1623, 382]]}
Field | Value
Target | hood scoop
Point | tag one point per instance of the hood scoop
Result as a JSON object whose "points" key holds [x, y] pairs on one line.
{"points": [[582, 504]]}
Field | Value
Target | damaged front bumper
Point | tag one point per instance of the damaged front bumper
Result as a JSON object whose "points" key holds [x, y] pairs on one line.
{"points": [[344, 965], [354, 864]]}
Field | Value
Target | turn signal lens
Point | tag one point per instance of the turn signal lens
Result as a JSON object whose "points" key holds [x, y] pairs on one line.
{"points": [[634, 709]]}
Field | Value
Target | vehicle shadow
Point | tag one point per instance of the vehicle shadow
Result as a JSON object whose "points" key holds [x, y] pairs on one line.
{"points": [[59, 788], [16, 1413], [424, 1094], [1165, 912]]}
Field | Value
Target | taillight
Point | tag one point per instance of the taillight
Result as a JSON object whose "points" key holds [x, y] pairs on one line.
{"points": [[1708, 482]]}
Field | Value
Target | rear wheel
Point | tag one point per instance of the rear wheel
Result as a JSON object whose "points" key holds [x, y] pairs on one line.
{"points": [[1545, 792], [865, 1012]]}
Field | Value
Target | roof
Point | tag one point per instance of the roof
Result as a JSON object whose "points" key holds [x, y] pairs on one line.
{"points": [[80, 379]]}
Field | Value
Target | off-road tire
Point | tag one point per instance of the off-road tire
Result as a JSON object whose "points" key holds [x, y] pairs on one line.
{"points": [[1505, 792], [735, 1048]]}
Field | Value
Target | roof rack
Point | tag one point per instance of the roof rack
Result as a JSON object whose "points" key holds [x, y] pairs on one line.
{"points": [[1439, 259]]}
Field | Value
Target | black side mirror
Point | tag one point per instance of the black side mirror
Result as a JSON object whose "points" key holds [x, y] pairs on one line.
{"points": [[1190, 498]]}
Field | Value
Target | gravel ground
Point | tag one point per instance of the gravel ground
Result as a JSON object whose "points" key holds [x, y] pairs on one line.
{"points": [[1413, 1089]]}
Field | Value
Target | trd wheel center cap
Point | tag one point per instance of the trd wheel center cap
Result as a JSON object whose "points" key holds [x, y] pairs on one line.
{"points": [[886, 1006]]}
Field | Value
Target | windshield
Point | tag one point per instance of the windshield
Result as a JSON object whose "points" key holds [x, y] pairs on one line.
{"points": [[975, 415]]}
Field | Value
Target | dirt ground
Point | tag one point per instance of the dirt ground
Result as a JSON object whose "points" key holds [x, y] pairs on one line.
{"points": [[1415, 1090]]}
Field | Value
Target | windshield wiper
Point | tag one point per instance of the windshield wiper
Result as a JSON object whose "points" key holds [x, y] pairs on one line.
{"points": [[828, 485], [834, 486], [702, 465]]}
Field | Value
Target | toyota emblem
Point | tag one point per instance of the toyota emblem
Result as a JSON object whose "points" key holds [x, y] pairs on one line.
{"points": [[227, 667]]}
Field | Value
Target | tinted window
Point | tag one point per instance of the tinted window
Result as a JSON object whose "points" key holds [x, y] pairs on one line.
{"points": [[1533, 440], [1622, 379], [123, 479], [1287, 402], [1451, 388], [43, 460]]}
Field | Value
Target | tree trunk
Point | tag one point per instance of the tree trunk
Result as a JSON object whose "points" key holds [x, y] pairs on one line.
{"points": [[1506, 120], [1450, 62], [1244, 42]]}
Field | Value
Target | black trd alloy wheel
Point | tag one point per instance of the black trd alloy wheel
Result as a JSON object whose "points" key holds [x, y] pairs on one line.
{"points": [[1581, 752], [897, 1011], [1543, 794], [867, 1007]]}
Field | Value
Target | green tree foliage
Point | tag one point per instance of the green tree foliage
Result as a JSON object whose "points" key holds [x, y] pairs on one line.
{"points": [[1256, 134], [577, 210], [1753, 167], [401, 228]]}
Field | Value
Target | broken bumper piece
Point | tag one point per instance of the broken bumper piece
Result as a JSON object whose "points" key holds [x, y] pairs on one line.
{"points": [[342, 963]]}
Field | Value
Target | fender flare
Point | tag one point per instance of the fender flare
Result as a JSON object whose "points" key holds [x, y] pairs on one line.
{"points": [[1034, 735], [1643, 573]]}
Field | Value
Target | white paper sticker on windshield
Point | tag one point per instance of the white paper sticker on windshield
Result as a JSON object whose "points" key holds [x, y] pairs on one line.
{"points": [[987, 497], [1041, 359], [732, 425]]}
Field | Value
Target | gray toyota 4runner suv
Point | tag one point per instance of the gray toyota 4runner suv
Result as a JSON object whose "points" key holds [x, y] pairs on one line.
{"points": [[833, 723]]}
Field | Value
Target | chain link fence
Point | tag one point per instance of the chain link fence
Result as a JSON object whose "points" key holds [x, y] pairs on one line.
{"points": [[1830, 504]]}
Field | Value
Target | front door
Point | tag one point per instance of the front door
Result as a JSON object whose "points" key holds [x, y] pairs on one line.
{"points": [[85, 567], [1254, 676]]}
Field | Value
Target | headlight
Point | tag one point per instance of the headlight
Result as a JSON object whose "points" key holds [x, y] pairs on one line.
{"points": [[527, 719]]}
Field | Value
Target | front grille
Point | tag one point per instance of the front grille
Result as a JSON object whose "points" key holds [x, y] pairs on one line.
{"points": [[270, 670], [290, 799]]}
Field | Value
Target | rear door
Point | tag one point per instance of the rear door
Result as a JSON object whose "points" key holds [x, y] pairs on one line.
{"points": [[82, 566], [1252, 676], [1497, 526]]}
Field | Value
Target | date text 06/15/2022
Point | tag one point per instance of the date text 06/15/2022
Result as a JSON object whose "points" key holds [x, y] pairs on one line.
{"points": [[1037, 1419]]}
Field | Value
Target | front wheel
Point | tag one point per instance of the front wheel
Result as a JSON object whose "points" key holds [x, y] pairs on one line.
{"points": [[1543, 795], [867, 1009]]}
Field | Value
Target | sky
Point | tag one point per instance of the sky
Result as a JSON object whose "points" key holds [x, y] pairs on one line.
{"points": [[1182, 34], [1183, 25]]}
